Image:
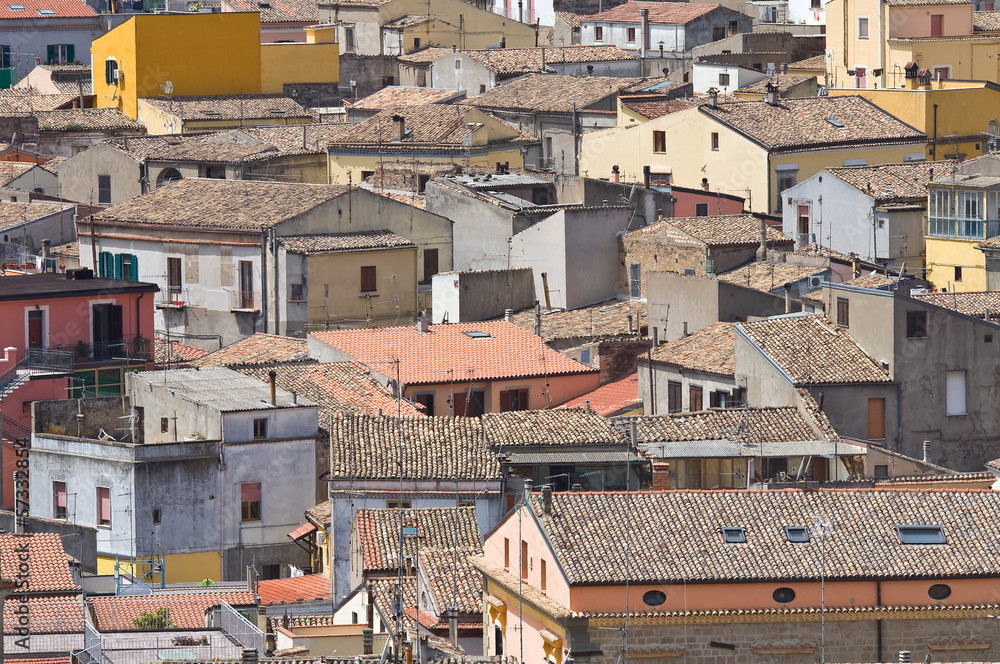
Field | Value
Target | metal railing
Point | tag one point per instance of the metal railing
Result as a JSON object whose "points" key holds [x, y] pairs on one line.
{"points": [[92, 643], [139, 348], [13, 430], [173, 298], [245, 632], [49, 359], [243, 301]]}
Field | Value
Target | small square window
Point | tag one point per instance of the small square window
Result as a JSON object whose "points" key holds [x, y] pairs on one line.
{"points": [[916, 324], [260, 428], [723, 80], [701, 209], [796, 533], [164, 424], [298, 293], [882, 472], [156, 516], [921, 535], [734, 536], [988, 338]]}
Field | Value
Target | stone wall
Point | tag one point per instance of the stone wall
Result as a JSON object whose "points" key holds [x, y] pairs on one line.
{"points": [[368, 72]]}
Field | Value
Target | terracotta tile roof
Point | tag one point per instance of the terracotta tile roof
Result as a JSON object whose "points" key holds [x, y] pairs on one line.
{"points": [[344, 242], [716, 231], [257, 349], [11, 170], [452, 580], [815, 62], [227, 147], [681, 529], [241, 205], [69, 250], [229, 107], [424, 56], [280, 11], [444, 124], [66, 67], [549, 92], [986, 21], [653, 109], [14, 214], [659, 12], [418, 201], [873, 281], [611, 398], [383, 592], [602, 320], [507, 61], [60, 8], [407, 21], [894, 182], [398, 95], [39, 660], [653, 85], [288, 140], [86, 119], [52, 165], [796, 123], [173, 352], [447, 352], [785, 83], [185, 611], [971, 304], [751, 425], [337, 388], [811, 349], [571, 18], [308, 588], [47, 615], [378, 533], [17, 101], [924, 3], [49, 563], [433, 448], [320, 514], [767, 276], [709, 350], [826, 252], [562, 426]]}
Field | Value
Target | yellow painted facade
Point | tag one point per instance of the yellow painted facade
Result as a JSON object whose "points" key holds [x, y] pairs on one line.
{"points": [[315, 61], [161, 121], [739, 166], [945, 254], [180, 567], [964, 112], [454, 22]]}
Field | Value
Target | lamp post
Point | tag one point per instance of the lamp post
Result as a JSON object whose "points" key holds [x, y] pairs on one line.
{"points": [[822, 529]]}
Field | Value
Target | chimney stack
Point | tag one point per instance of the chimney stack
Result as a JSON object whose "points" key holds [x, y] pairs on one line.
{"points": [[661, 476], [713, 97], [452, 613], [788, 298], [771, 96], [684, 328], [647, 176], [927, 451], [529, 486], [508, 315], [423, 324], [400, 122], [704, 184], [272, 375], [367, 641], [454, 48], [615, 173], [905, 656], [644, 30], [762, 249], [547, 500]]}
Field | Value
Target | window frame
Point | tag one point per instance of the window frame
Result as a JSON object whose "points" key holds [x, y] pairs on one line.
{"points": [[248, 511], [599, 33], [715, 141], [260, 428], [103, 189], [866, 22], [843, 312], [797, 534], [733, 535], [103, 522], [369, 279], [64, 515], [659, 142], [919, 534], [916, 324]]}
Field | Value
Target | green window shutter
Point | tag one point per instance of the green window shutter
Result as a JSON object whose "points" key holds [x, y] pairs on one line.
{"points": [[109, 72], [105, 265], [134, 274], [51, 50], [6, 57], [70, 53], [118, 266]]}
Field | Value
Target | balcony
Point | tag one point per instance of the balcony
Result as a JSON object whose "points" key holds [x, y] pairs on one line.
{"points": [[962, 229], [241, 301], [138, 348], [178, 298]]}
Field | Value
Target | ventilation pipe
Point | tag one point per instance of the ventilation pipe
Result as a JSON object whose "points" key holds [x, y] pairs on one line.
{"points": [[762, 249], [771, 96], [905, 657], [508, 315], [927, 451], [545, 287], [272, 376], [644, 28], [788, 298], [538, 319], [452, 613], [547, 500], [713, 97], [647, 176]]}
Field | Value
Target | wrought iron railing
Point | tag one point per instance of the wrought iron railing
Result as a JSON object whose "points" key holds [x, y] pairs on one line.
{"points": [[240, 300], [235, 625], [13, 430], [173, 298], [138, 348], [48, 359]]}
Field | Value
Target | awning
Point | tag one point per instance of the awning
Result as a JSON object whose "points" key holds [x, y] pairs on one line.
{"points": [[302, 531]]}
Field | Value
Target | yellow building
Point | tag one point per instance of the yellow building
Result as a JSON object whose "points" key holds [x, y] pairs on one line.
{"points": [[870, 42], [753, 149], [181, 55], [959, 117], [962, 213], [422, 138]]}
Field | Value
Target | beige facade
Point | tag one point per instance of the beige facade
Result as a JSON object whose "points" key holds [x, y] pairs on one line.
{"points": [[160, 121]]}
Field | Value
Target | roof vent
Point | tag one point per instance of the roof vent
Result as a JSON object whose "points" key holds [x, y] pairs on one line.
{"points": [[423, 324], [713, 97], [734, 536], [771, 96]]}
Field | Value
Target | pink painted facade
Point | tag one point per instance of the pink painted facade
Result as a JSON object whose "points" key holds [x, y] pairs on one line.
{"points": [[950, 20], [688, 201]]}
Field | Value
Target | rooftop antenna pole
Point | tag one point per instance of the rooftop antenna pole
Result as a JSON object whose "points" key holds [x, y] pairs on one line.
{"points": [[398, 609], [822, 530]]}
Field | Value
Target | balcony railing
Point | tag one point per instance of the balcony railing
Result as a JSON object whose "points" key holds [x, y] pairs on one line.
{"points": [[173, 299], [138, 348], [240, 300], [48, 359], [963, 229]]}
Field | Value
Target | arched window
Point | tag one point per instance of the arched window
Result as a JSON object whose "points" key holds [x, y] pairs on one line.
{"points": [[168, 176], [993, 128]]}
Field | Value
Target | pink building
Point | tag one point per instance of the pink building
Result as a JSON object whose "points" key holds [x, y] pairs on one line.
{"points": [[690, 202]]}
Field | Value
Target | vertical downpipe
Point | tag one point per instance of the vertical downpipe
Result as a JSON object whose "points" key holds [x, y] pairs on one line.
{"points": [[263, 278]]}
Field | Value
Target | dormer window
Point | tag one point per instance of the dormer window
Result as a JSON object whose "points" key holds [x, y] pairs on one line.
{"points": [[734, 535], [921, 535], [797, 534]]}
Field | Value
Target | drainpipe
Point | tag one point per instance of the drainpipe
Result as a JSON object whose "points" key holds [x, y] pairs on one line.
{"points": [[263, 277], [275, 274], [545, 287], [934, 140], [576, 156]]}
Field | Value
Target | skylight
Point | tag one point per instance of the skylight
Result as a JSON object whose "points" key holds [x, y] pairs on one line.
{"points": [[476, 334], [734, 536], [46, 12], [16, 8], [835, 123], [921, 535], [797, 533]]}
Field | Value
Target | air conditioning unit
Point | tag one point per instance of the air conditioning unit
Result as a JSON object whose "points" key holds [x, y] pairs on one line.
{"points": [[116, 75], [320, 538], [815, 282]]}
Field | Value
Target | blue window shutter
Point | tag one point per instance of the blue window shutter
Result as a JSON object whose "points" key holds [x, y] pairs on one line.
{"points": [[134, 276], [118, 266]]}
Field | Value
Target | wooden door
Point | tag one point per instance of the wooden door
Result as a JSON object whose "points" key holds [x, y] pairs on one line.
{"points": [[36, 329], [876, 419]]}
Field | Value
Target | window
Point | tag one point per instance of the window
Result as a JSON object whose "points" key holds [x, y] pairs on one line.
{"points": [[398, 504], [61, 53], [498, 640], [298, 293], [349, 43], [674, 404], [701, 209], [164, 424], [718, 32], [104, 189], [723, 80], [111, 71], [631, 35], [173, 279], [843, 312], [156, 516], [717, 399], [250, 501], [634, 280], [783, 595], [862, 27], [860, 78], [246, 285], [430, 263], [416, 43], [734, 536], [659, 141], [368, 281], [816, 4], [882, 472], [786, 178], [958, 273], [59, 500], [916, 324], [937, 26], [541, 572], [715, 140], [524, 560], [506, 553], [259, 428], [103, 506], [427, 401], [598, 33], [796, 534], [695, 398], [36, 328], [939, 591], [513, 400], [5, 57], [654, 597], [955, 389], [876, 418], [470, 403], [921, 535], [585, 356]]}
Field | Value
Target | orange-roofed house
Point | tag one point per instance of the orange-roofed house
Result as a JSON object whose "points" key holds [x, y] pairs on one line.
{"points": [[464, 369]]}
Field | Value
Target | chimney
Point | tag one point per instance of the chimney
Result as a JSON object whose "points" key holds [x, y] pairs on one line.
{"points": [[762, 249], [713, 97], [400, 122], [643, 31], [647, 176], [630, 323], [547, 500], [855, 266], [45, 254], [927, 451], [538, 319], [614, 173], [656, 340], [529, 486], [508, 315], [704, 184], [250, 656], [784, 67], [771, 96], [454, 48], [272, 375], [423, 325], [788, 298], [684, 328], [905, 657], [452, 613], [661, 476], [367, 641]]}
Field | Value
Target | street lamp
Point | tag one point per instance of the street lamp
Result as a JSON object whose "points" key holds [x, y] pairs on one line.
{"points": [[822, 529]]}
